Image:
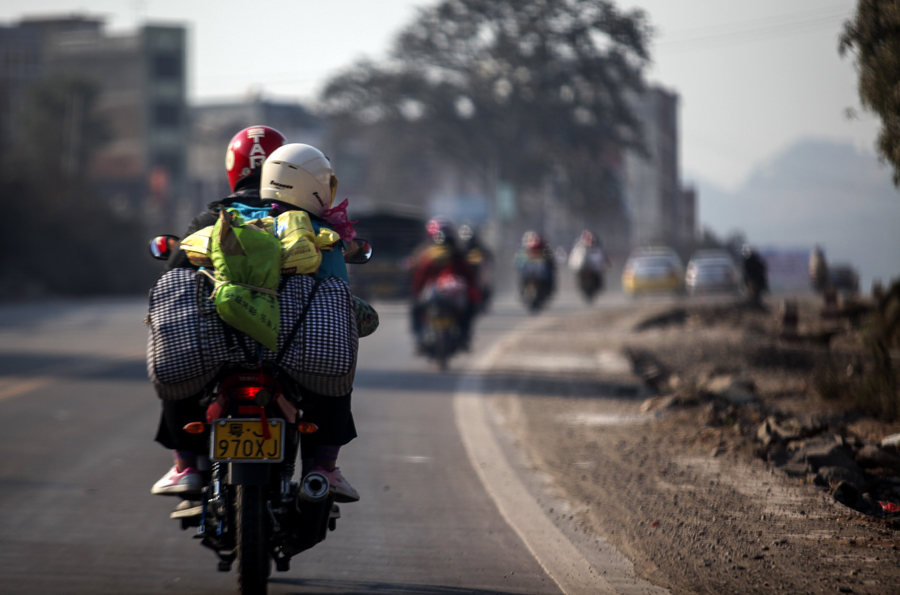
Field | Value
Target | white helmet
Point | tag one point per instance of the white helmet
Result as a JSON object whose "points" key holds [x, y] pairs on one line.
{"points": [[300, 175]]}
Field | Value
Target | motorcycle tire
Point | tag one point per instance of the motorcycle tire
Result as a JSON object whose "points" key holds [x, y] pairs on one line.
{"points": [[442, 351], [531, 295], [253, 563]]}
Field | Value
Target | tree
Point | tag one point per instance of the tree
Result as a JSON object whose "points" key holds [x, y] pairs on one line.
{"points": [[873, 36], [57, 133], [508, 90], [60, 237]]}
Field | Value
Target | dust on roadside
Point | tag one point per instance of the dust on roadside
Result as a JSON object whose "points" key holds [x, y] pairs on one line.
{"points": [[681, 485]]}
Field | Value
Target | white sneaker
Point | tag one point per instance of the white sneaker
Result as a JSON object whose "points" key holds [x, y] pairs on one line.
{"points": [[343, 491], [174, 483]]}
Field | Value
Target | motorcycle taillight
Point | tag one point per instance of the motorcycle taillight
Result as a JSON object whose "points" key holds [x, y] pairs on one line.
{"points": [[259, 388], [244, 393]]}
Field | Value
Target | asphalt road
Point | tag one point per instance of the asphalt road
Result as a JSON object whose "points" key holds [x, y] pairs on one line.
{"points": [[77, 459]]}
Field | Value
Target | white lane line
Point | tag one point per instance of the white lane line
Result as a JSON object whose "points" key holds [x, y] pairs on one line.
{"points": [[559, 558], [19, 387]]}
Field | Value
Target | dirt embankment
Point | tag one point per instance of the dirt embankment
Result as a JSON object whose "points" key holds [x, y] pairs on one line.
{"points": [[734, 474]]}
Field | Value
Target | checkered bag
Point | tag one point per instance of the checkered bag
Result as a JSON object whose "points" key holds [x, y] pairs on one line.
{"points": [[175, 357], [319, 350], [189, 343]]}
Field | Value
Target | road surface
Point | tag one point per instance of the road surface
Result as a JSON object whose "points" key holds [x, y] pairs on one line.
{"points": [[77, 459]]}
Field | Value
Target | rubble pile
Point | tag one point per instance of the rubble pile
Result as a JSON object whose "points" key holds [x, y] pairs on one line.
{"points": [[758, 394], [859, 474]]}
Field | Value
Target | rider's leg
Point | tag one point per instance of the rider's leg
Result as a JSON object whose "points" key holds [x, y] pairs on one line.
{"points": [[326, 456], [336, 428], [189, 450]]}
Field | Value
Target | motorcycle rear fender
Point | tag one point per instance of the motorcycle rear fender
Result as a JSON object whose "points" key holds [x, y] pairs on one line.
{"points": [[248, 474], [219, 407]]}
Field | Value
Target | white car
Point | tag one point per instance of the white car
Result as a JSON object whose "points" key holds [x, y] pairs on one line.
{"points": [[712, 271]]}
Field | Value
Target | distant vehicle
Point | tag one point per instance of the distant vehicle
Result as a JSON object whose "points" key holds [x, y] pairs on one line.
{"points": [[652, 270], [843, 278], [712, 271], [444, 306], [397, 231]]}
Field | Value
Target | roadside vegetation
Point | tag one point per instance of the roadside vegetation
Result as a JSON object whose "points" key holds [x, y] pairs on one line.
{"points": [[870, 381], [59, 238], [514, 96]]}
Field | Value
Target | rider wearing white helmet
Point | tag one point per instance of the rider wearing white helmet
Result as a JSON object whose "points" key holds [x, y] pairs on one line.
{"points": [[299, 175], [293, 176]]}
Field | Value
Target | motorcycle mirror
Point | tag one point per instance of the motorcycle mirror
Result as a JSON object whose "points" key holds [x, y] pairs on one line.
{"points": [[162, 247], [358, 252]]}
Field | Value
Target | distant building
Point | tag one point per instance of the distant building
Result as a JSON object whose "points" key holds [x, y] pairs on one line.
{"points": [[23, 47], [142, 86], [688, 211], [213, 125], [659, 209]]}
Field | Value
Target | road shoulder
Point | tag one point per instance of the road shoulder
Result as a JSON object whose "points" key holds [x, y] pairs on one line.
{"points": [[692, 515], [585, 564]]}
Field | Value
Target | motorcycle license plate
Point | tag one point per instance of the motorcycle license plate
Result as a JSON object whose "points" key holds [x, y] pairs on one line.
{"points": [[442, 322], [243, 440]]}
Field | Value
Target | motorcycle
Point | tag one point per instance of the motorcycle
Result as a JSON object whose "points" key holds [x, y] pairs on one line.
{"points": [[590, 283], [534, 284], [251, 512], [589, 262], [442, 305]]}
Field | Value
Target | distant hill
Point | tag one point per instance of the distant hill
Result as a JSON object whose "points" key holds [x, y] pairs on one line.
{"points": [[815, 192]]}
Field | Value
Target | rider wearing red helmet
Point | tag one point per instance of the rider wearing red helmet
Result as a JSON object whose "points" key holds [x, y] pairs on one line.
{"points": [[442, 253], [246, 153], [244, 157]]}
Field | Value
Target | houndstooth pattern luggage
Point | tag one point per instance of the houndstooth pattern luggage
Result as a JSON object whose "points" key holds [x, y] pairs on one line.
{"points": [[189, 343]]}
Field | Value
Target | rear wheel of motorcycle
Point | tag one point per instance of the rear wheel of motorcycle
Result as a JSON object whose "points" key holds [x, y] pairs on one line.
{"points": [[253, 565], [531, 296], [442, 350]]}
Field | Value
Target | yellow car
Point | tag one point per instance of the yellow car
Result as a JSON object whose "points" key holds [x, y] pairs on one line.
{"points": [[653, 270]]}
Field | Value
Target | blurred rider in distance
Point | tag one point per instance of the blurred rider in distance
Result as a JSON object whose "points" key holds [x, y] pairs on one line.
{"points": [[535, 249], [442, 254], [588, 253], [818, 269], [480, 259], [756, 278]]}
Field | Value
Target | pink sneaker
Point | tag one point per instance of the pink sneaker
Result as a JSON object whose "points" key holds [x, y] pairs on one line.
{"points": [[175, 483], [343, 491]]}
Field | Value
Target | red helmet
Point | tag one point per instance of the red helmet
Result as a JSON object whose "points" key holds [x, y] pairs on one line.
{"points": [[441, 231], [247, 151]]}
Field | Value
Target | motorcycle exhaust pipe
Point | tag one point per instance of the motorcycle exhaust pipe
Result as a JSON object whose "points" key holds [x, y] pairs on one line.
{"points": [[314, 487], [313, 507]]}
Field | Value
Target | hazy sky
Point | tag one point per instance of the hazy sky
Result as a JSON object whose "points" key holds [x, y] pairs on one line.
{"points": [[753, 76]]}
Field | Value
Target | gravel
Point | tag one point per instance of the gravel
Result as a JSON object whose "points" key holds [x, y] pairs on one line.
{"points": [[665, 461]]}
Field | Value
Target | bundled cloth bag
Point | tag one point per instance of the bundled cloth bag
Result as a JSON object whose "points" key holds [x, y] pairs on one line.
{"points": [[301, 246], [247, 260], [189, 343]]}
